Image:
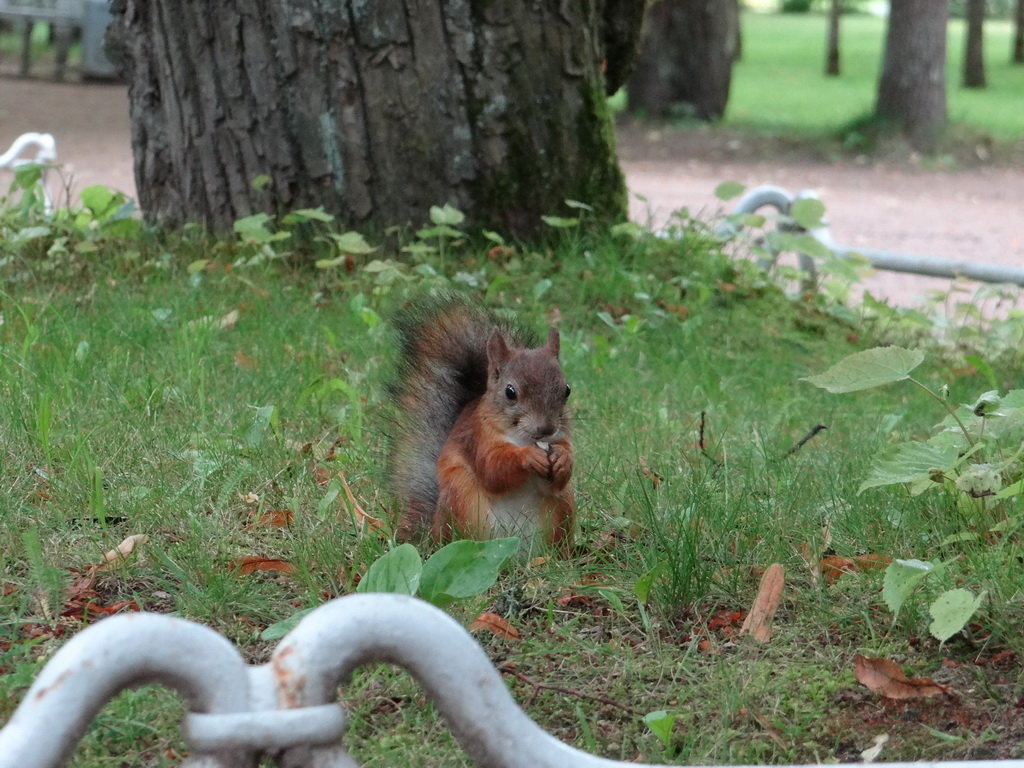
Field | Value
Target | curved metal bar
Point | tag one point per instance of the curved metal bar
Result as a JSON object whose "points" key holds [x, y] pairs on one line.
{"points": [[894, 261], [106, 658], [47, 152], [333, 640]]}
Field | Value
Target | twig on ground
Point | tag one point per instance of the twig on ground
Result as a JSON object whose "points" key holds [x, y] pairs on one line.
{"points": [[800, 444], [537, 687], [702, 443]]}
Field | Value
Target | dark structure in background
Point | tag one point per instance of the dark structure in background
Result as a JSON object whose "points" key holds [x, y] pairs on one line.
{"points": [[685, 64]]}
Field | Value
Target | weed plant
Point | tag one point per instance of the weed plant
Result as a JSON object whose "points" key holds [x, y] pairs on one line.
{"points": [[229, 400]]}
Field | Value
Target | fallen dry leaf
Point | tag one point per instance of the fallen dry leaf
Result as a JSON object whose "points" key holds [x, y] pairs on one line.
{"points": [[833, 567], [365, 519], [759, 620], [243, 360], [649, 473], [496, 625], [887, 679], [118, 554], [274, 518], [251, 564], [229, 321]]}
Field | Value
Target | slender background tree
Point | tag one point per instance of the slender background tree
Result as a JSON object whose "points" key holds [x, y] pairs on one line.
{"points": [[685, 65], [974, 45], [374, 110], [912, 85], [1017, 54], [832, 64]]}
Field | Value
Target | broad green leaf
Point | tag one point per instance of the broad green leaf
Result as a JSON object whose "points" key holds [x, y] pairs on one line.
{"points": [[352, 242], [330, 263], [441, 230], [198, 266], [541, 287], [254, 229], [446, 215], [629, 229], [579, 206], [283, 627], [494, 237], [901, 578], [261, 182], [265, 417], [870, 368], [661, 723], [371, 318], [1013, 489], [642, 586], [333, 490], [909, 462], [97, 199], [399, 571], [727, 190], [808, 212], [27, 174], [951, 611], [464, 568], [558, 222], [304, 215]]}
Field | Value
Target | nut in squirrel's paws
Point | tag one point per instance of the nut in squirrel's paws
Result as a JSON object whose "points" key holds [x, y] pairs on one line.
{"points": [[546, 447]]}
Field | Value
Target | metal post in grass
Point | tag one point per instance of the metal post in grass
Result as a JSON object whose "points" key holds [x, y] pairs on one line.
{"points": [[287, 710]]}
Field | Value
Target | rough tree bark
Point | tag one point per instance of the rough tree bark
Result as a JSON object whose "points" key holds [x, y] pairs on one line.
{"points": [[374, 109], [832, 45], [685, 65], [1017, 54], [974, 58], [912, 86]]}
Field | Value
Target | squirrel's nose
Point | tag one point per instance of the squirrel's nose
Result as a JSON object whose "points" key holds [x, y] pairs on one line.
{"points": [[544, 431]]}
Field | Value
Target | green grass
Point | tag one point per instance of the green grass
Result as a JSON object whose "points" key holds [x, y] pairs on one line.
{"points": [[130, 402], [780, 85]]}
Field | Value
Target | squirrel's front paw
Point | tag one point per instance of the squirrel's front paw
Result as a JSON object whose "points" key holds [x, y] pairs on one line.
{"points": [[561, 464], [536, 460]]}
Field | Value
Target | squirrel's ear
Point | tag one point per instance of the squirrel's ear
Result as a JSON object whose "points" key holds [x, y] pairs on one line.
{"points": [[497, 350], [553, 341]]}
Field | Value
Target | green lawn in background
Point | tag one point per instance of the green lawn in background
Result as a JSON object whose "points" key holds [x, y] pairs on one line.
{"points": [[780, 85]]}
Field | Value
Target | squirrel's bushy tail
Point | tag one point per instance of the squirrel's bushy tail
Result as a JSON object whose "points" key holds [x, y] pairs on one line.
{"points": [[442, 367]]}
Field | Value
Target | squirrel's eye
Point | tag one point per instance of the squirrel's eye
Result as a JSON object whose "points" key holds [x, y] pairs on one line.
{"points": [[568, 391], [510, 392]]}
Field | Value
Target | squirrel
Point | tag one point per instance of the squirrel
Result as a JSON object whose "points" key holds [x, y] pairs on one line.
{"points": [[483, 445]]}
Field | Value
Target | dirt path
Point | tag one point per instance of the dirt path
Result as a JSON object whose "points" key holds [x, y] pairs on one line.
{"points": [[975, 214]]}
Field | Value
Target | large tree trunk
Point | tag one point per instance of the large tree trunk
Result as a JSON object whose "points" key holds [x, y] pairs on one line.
{"points": [[1017, 54], [375, 110], [685, 65], [912, 86], [974, 58], [832, 45]]}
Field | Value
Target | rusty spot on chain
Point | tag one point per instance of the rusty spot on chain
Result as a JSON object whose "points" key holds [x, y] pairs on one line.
{"points": [[289, 684], [56, 684]]}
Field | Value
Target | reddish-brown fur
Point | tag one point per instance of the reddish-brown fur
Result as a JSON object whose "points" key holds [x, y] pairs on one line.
{"points": [[479, 464], [485, 433]]}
